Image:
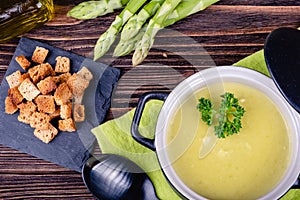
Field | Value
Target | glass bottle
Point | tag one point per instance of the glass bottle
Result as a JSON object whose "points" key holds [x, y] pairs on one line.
{"points": [[20, 16]]}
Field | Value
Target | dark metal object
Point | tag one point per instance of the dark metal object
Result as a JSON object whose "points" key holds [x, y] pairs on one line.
{"points": [[282, 54], [113, 177]]}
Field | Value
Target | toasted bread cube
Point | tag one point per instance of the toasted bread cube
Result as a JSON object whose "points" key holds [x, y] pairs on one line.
{"points": [[10, 106], [27, 108], [39, 120], [85, 73], [66, 125], [62, 64], [55, 114], [48, 69], [64, 77], [77, 84], [39, 72], [66, 111], [39, 55], [26, 111], [25, 118], [45, 103], [13, 79], [79, 114], [77, 99], [15, 95], [34, 73], [61, 78], [23, 62], [47, 85], [46, 135], [23, 77], [62, 94], [28, 90]]}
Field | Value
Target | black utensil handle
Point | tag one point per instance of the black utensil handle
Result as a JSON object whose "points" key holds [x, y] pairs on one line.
{"points": [[138, 114], [297, 184]]}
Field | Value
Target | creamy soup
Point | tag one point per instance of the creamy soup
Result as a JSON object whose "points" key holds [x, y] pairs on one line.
{"points": [[246, 165]]}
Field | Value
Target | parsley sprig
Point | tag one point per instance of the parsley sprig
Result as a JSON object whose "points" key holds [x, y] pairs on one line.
{"points": [[228, 115]]}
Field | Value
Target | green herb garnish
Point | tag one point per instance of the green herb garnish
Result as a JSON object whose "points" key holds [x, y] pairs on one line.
{"points": [[228, 115]]}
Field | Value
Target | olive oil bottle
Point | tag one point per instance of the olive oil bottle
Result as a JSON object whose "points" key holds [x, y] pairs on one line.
{"points": [[20, 16]]}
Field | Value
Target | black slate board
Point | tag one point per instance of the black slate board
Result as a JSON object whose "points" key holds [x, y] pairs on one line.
{"points": [[70, 150]]}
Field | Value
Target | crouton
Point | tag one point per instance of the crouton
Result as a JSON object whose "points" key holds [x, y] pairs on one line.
{"points": [[40, 120], [77, 84], [23, 77], [85, 73], [27, 108], [34, 73], [48, 69], [10, 106], [46, 135], [62, 94], [15, 95], [13, 79], [62, 64], [23, 62], [39, 55], [66, 125], [55, 114], [45, 103], [79, 114], [61, 78], [25, 118], [47, 85], [77, 99], [66, 111], [39, 72], [28, 90]]}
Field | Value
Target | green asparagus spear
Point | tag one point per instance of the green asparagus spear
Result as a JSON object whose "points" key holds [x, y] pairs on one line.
{"points": [[135, 23], [125, 47], [155, 24], [107, 38], [184, 9], [93, 9], [187, 8]]}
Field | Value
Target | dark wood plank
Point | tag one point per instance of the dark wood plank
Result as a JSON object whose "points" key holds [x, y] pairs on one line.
{"points": [[228, 31]]}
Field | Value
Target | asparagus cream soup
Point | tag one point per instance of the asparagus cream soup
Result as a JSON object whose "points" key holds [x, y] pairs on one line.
{"points": [[246, 165]]}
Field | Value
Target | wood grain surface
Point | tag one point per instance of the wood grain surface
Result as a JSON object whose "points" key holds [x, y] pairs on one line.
{"points": [[220, 35]]}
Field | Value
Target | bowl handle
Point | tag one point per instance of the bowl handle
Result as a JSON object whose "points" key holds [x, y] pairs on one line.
{"points": [[138, 114]]}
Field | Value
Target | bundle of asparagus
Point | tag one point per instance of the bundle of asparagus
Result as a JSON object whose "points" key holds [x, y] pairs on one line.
{"points": [[139, 22]]}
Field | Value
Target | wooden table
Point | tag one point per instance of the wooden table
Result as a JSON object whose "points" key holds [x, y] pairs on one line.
{"points": [[228, 31]]}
